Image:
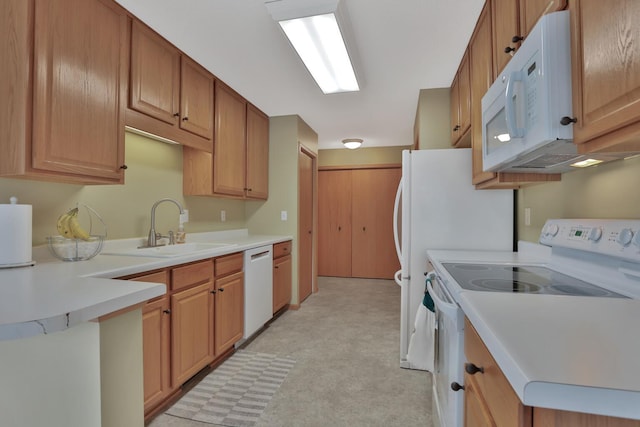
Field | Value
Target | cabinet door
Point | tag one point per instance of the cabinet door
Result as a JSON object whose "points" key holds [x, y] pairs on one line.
{"points": [[191, 331], [229, 142], [196, 99], [454, 112], [155, 75], [464, 97], [532, 10], [229, 311], [281, 282], [373, 252], [257, 169], [481, 77], [476, 413], [606, 74], [334, 223], [80, 80], [505, 26], [155, 344]]}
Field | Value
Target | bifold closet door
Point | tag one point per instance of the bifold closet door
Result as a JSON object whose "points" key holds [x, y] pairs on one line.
{"points": [[334, 223]]}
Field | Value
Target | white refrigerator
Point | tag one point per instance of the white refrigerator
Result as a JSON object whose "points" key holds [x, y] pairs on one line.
{"points": [[437, 207]]}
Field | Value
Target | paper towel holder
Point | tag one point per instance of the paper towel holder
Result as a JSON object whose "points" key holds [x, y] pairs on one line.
{"points": [[27, 212]]}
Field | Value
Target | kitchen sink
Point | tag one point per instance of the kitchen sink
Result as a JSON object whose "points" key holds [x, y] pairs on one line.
{"points": [[169, 251]]}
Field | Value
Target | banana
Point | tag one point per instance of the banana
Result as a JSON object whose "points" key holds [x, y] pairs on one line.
{"points": [[63, 224], [76, 230], [69, 227]]}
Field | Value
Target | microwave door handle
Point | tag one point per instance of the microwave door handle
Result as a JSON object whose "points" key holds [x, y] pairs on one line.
{"points": [[509, 105]]}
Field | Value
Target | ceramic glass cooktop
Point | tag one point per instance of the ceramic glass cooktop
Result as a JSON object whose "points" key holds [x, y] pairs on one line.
{"points": [[522, 279]]}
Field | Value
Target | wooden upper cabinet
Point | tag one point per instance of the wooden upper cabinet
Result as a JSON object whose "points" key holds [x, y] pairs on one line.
{"points": [[155, 75], [170, 95], [229, 142], [532, 10], [257, 165], [460, 104], [606, 75], [79, 91], [505, 27], [196, 99]]}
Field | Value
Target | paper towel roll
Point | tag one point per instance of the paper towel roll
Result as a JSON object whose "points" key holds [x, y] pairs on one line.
{"points": [[15, 240]]}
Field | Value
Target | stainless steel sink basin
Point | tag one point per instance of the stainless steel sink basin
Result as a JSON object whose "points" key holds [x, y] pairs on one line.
{"points": [[169, 251]]}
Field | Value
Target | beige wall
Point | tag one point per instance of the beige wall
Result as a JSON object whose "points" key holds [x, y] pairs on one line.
{"points": [[433, 119], [603, 191], [155, 172]]}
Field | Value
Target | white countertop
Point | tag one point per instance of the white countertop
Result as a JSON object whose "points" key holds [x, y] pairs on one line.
{"points": [[54, 295], [571, 353]]}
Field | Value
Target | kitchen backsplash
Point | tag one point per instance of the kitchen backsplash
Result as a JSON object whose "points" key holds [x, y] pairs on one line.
{"points": [[154, 172]]}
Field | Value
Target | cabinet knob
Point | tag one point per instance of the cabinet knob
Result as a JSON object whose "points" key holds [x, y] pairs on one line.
{"points": [[176, 114], [364, 228], [167, 311], [184, 119], [516, 39], [213, 291], [339, 228], [509, 49], [456, 128], [221, 290], [276, 266], [568, 120], [124, 167], [472, 369], [456, 387]]}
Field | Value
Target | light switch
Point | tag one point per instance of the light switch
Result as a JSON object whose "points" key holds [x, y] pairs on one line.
{"points": [[527, 216], [283, 215], [223, 215]]}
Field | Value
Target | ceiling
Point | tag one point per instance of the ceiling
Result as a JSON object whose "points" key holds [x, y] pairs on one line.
{"points": [[402, 46]]}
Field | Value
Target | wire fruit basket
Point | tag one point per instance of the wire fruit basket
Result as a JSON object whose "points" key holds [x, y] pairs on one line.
{"points": [[74, 243]]}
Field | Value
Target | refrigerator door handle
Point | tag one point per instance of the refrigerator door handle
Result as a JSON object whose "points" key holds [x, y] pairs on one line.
{"points": [[398, 277], [396, 223]]}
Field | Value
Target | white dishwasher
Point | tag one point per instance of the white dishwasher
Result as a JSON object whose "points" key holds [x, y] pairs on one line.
{"points": [[258, 288]]}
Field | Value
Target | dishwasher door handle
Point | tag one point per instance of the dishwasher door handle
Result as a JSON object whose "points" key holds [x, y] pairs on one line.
{"points": [[260, 255]]}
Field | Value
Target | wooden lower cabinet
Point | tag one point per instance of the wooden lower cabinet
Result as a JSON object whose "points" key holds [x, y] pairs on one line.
{"points": [[491, 401], [229, 302], [281, 275], [156, 344]]}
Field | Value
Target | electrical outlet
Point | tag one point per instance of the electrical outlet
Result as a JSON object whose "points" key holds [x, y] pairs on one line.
{"points": [[527, 216], [283, 215], [223, 215]]}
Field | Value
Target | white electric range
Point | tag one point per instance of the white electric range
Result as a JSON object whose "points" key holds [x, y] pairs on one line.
{"points": [[560, 318]]}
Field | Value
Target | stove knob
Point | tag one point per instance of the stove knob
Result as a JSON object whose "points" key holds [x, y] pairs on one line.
{"points": [[552, 230], [595, 234], [625, 236]]}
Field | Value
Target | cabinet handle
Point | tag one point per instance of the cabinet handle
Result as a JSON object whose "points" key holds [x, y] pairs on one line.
{"points": [[213, 291], [456, 387], [176, 114], [472, 369], [124, 167], [276, 266], [167, 311], [456, 128], [516, 39], [509, 49], [568, 120], [220, 289], [185, 118]]}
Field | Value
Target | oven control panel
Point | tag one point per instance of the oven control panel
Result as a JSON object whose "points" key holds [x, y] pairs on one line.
{"points": [[618, 238]]}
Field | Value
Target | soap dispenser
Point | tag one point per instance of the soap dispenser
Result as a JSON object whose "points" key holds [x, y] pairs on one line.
{"points": [[181, 235]]}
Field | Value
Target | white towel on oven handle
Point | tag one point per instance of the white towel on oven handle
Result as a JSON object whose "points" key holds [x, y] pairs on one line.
{"points": [[422, 342]]}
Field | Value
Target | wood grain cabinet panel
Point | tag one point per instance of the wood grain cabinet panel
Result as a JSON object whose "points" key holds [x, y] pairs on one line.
{"points": [[282, 275], [196, 99], [460, 103], [505, 26], [229, 311], [532, 10], [64, 83], [257, 164], [155, 75], [606, 75]]}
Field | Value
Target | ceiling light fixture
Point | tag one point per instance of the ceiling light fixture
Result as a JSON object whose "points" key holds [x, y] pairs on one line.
{"points": [[318, 30], [352, 143]]}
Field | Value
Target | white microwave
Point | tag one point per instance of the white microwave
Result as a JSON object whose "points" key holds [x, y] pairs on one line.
{"points": [[526, 113]]}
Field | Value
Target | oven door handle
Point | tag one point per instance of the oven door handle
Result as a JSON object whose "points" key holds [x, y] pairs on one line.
{"points": [[447, 309]]}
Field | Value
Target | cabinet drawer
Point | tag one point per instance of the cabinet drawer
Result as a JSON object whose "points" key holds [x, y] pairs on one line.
{"points": [[156, 277], [228, 264], [281, 249], [192, 274], [502, 402]]}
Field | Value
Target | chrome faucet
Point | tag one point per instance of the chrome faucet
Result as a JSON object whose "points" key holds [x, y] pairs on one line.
{"points": [[152, 240]]}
